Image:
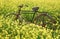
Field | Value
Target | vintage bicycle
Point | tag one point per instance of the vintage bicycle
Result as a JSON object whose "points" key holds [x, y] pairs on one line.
{"points": [[38, 18]]}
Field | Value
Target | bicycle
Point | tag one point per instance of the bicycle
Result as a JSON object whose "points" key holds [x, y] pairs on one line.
{"points": [[38, 18]]}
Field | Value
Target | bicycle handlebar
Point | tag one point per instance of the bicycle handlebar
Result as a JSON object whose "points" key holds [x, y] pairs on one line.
{"points": [[21, 6]]}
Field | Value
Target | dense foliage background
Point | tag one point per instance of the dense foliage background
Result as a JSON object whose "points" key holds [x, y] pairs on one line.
{"points": [[10, 29]]}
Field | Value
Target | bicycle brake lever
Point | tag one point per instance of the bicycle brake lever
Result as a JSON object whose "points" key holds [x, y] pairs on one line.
{"points": [[26, 5]]}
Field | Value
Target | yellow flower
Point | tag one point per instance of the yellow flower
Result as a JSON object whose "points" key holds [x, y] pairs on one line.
{"points": [[0, 24], [6, 37]]}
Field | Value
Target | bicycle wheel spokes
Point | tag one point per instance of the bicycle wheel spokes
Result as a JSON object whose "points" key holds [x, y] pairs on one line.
{"points": [[41, 20], [20, 20], [37, 21], [10, 15]]}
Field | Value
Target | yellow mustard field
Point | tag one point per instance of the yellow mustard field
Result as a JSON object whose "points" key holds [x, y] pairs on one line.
{"points": [[10, 28]]}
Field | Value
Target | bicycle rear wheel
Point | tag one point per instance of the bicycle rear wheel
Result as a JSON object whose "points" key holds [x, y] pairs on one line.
{"points": [[41, 20]]}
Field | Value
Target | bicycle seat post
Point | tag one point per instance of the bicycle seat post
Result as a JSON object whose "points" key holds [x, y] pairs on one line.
{"points": [[35, 9]]}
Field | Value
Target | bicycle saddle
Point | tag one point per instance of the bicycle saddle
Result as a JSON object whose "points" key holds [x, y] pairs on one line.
{"points": [[35, 9]]}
